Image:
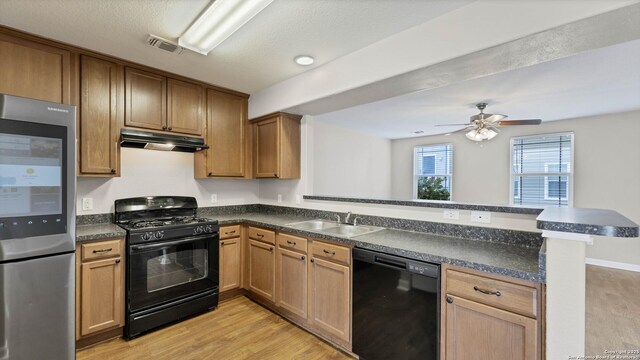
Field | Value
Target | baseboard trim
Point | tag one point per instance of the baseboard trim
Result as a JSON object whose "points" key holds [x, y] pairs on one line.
{"points": [[613, 264]]}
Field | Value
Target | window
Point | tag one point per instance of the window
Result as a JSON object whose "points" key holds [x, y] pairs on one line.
{"points": [[432, 172], [542, 170]]}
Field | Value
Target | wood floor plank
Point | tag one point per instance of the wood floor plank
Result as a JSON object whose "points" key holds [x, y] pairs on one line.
{"points": [[238, 329]]}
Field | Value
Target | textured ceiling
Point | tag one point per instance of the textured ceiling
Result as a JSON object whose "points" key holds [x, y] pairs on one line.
{"points": [[258, 55], [591, 83]]}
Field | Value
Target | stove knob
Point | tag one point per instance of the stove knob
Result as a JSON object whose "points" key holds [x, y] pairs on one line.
{"points": [[159, 234], [199, 229], [208, 229], [146, 236]]}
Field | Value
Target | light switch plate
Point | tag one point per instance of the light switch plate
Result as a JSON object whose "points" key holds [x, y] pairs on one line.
{"points": [[481, 217], [87, 204], [214, 198], [279, 198], [451, 214], [298, 199]]}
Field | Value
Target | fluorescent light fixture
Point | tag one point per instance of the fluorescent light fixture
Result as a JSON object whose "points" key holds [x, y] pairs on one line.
{"points": [[304, 60], [221, 19]]}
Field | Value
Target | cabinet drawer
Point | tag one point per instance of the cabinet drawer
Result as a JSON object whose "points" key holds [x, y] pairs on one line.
{"points": [[504, 295], [331, 252], [262, 235], [101, 249], [292, 242], [227, 232]]}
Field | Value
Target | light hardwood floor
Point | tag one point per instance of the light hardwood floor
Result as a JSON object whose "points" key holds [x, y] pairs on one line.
{"points": [[238, 329], [613, 310]]}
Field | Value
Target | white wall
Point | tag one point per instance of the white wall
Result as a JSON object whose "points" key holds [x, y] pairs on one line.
{"points": [[148, 172], [606, 163], [349, 163]]}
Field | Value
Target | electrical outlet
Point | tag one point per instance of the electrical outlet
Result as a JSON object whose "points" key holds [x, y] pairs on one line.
{"points": [[214, 198], [451, 214], [87, 204], [279, 198], [481, 217], [298, 199]]}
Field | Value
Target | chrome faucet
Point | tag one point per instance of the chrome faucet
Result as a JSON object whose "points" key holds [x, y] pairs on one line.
{"points": [[337, 216], [355, 220], [346, 218]]}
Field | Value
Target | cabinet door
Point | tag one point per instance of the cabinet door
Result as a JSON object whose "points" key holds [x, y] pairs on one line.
{"points": [[477, 331], [34, 70], [229, 264], [226, 122], [99, 117], [185, 107], [101, 293], [146, 100], [262, 269], [331, 298], [291, 282], [267, 148]]}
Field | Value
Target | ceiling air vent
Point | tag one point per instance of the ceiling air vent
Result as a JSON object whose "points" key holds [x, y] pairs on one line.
{"points": [[164, 44]]}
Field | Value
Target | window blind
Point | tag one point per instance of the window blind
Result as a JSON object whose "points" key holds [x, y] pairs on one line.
{"points": [[541, 169]]}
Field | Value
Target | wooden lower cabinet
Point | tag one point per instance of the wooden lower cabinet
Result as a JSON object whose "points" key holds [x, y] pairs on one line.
{"points": [[330, 298], [100, 287], [478, 331], [262, 269], [487, 316], [291, 281], [230, 264]]}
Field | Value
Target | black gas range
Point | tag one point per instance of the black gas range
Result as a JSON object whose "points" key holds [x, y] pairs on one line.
{"points": [[172, 261]]}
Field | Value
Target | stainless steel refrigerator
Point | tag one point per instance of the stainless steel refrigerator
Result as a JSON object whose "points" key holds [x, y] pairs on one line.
{"points": [[37, 229]]}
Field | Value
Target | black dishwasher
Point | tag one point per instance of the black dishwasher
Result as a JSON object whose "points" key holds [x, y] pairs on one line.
{"points": [[396, 307]]}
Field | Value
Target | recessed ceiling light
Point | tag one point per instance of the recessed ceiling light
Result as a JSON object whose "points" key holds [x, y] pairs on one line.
{"points": [[304, 60], [417, 132]]}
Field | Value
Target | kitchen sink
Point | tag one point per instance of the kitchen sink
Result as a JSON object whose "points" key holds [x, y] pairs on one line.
{"points": [[351, 230], [334, 228], [317, 225]]}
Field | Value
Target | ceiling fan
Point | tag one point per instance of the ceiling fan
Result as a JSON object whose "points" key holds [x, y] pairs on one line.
{"points": [[485, 126]]}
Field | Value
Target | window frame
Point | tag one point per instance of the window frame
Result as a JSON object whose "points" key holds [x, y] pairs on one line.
{"points": [[416, 176], [569, 174], [558, 174]]}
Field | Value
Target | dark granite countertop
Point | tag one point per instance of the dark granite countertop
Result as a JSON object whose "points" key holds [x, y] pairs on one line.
{"points": [[432, 204], [98, 231], [511, 260], [496, 257], [587, 221]]}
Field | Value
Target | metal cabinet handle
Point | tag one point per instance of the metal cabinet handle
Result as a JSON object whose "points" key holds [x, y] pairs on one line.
{"points": [[113, 171], [102, 250], [487, 292], [302, 257], [449, 300], [117, 261], [312, 260], [210, 174], [291, 242], [164, 128], [169, 128], [260, 235], [229, 232], [222, 244], [329, 252]]}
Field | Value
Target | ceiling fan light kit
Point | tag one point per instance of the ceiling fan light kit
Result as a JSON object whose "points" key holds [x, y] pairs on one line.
{"points": [[485, 126]]}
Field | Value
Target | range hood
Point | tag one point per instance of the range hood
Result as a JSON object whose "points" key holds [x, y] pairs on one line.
{"points": [[160, 141]]}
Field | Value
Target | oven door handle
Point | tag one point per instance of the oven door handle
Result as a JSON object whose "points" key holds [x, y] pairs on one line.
{"points": [[172, 243]]}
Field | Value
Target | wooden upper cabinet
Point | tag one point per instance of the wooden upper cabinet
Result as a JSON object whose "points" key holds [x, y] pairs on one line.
{"points": [[146, 98], [33, 70], [185, 107], [277, 146], [101, 108], [478, 331], [226, 135]]}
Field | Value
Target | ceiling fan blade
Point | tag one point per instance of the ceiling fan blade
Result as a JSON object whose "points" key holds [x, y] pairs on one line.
{"points": [[467, 124], [519, 122], [495, 117]]}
